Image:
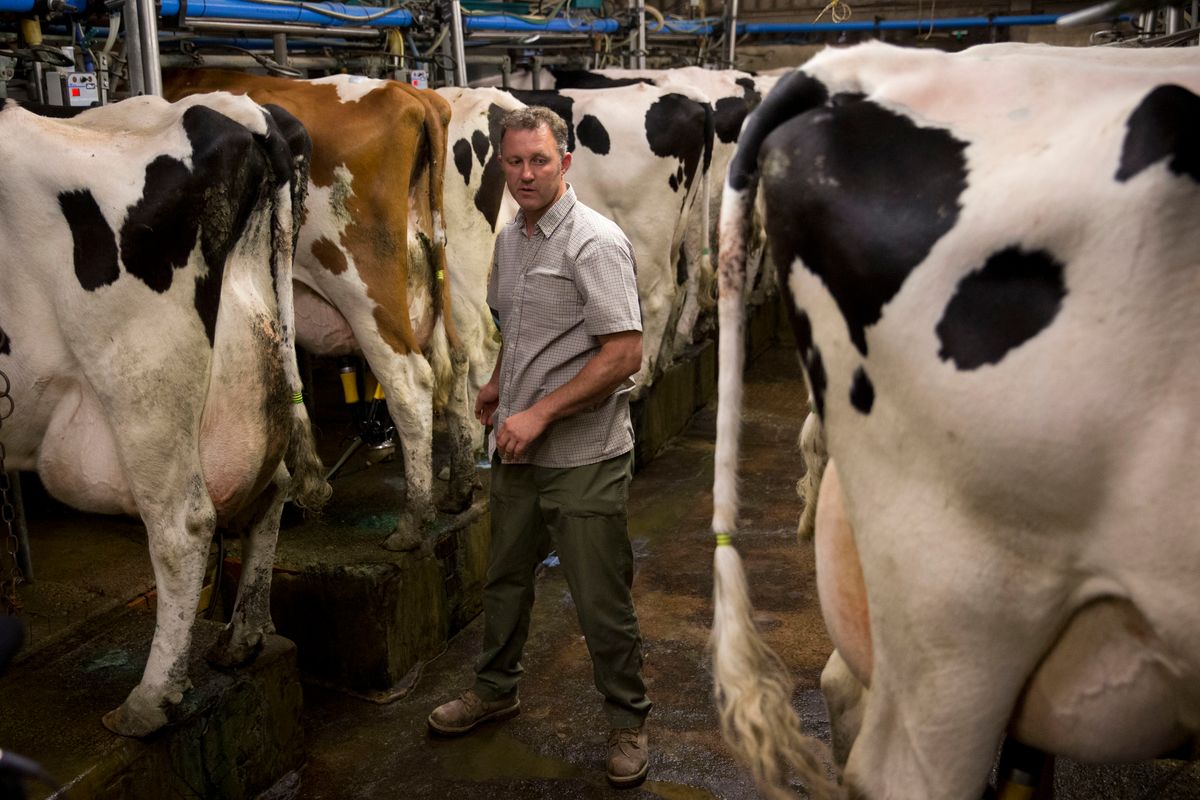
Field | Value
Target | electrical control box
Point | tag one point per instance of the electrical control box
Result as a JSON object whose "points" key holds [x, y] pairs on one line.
{"points": [[419, 78], [72, 89], [82, 89]]}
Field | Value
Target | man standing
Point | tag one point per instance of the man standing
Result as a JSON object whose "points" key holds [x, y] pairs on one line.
{"points": [[564, 289]]}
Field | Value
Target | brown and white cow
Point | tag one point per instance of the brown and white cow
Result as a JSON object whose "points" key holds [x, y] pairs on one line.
{"points": [[371, 258], [991, 264], [146, 308]]}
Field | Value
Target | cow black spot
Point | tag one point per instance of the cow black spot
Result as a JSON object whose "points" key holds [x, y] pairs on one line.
{"points": [[160, 229], [559, 104], [490, 194], [593, 136], [675, 128], [728, 117], [233, 174], [585, 79], [801, 327], [750, 93], [462, 159], [481, 145], [673, 182], [1166, 124], [1014, 296], [860, 195], [862, 392], [810, 356], [5, 343], [815, 368], [95, 243]]}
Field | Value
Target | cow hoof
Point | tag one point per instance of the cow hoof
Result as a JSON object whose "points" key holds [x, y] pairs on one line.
{"points": [[227, 654], [456, 502], [135, 720], [402, 540]]}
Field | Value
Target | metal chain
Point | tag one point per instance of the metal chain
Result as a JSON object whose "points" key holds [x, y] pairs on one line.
{"points": [[8, 511]]}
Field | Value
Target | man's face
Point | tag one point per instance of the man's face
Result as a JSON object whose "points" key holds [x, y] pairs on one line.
{"points": [[532, 168]]}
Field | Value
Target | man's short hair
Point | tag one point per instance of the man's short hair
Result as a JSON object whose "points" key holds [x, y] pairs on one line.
{"points": [[531, 118]]}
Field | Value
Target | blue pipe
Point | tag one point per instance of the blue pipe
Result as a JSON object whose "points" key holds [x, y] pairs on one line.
{"points": [[26, 6], [500, 22], [247, 10], [898, 24]]}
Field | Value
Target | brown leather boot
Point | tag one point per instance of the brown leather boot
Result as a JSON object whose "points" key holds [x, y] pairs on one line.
{"points": [[468, 710], [628, 756]]}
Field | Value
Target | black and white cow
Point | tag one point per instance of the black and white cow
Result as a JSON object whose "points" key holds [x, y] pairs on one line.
{"points": [[994, 282], [640, 156], [477, 204], [730, 95], [145, 294]]}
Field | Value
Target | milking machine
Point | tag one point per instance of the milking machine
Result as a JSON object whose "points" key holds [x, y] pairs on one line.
{"points": [[373, 427]]}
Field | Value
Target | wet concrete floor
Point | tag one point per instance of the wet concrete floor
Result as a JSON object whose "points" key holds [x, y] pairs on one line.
{"points": [[555, 748]]}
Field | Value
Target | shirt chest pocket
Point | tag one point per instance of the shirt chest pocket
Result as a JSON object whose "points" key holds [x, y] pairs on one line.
{"points": [[551, 288]]}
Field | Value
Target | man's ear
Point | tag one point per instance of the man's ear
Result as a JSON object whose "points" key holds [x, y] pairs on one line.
{"points": [[566, 162]]}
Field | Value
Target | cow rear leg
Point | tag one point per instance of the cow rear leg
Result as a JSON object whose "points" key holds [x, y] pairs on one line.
{"points": [[938, 703], [461, 425], [845, 697], [409, 387], [251, 623], [179, 541]]}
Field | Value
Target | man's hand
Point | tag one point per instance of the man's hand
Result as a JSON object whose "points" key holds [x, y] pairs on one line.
{"points": [[518, 432], [486, 402]]}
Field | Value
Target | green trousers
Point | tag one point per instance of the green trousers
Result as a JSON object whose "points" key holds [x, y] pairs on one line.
{"points": [[581, 512]]}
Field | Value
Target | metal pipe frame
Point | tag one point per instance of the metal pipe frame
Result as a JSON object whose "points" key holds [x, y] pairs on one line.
{"points": [[279, 47], [279, 28], [133, 51], [147, 34], [731, 31], [456, 38], [1174, 19], [174, 60], [640, 13], [496, 22], [249, 10]]}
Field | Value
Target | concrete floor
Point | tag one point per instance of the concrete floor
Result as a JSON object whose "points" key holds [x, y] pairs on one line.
{"points": [[556, 747]]}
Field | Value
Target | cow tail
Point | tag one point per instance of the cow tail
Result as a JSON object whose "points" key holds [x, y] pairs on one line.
{"points": [[309, 489], [752, 685], [816, 457], [437, 121], [706, 284]]}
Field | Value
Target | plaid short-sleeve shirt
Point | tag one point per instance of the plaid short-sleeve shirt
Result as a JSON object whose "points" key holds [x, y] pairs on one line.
{"points": [[555, 292]]}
